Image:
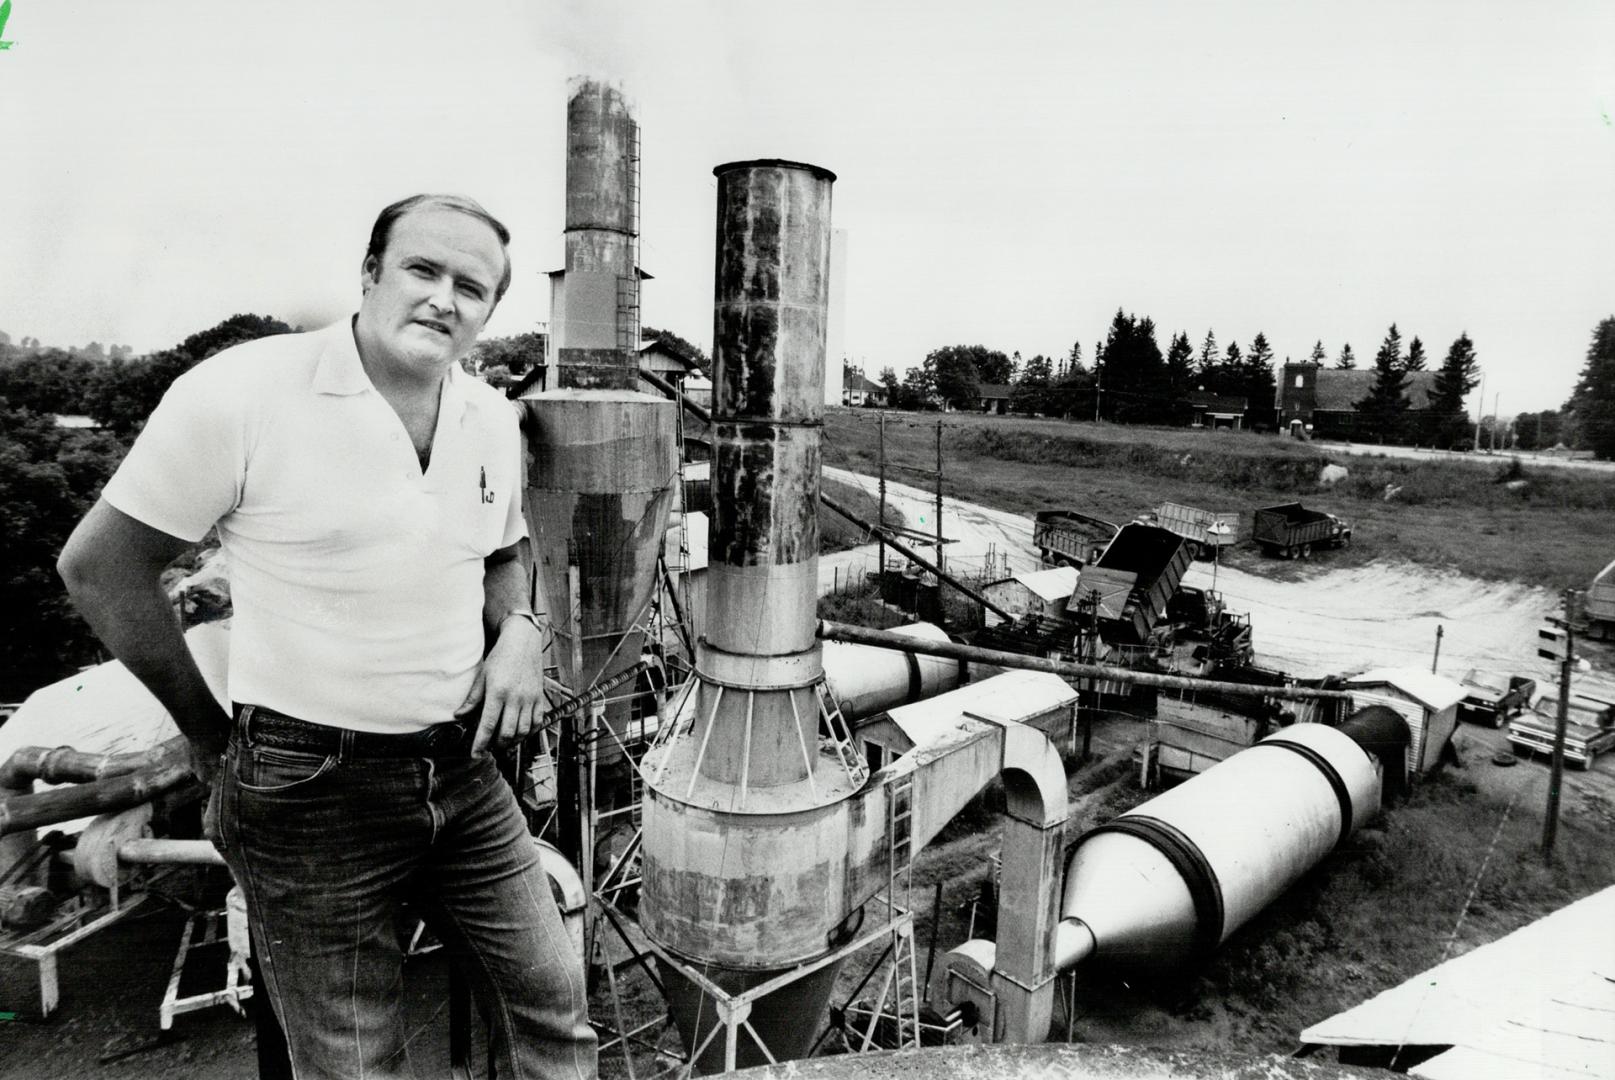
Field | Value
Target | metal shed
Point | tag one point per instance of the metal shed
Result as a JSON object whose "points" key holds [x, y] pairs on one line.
{"points": [[1036, 592], [1428, 702]]}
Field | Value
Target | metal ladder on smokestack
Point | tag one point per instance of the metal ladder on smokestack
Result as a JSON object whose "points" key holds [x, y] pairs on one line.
{"points": [[628, 287]]}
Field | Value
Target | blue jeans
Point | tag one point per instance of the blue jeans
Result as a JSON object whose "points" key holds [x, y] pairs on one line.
{"points": [[325, 848]]}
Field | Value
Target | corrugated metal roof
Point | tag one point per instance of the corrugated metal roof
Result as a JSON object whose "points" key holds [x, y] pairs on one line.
{"points": [[1538, 1002], [1054, 584], [1014, 695], [1434, 692]]}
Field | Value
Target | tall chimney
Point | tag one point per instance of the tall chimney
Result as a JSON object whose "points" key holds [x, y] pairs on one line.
{"points": [[745, 834], [601, 455]]}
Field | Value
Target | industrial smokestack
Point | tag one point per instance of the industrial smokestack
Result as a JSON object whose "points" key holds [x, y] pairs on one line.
{"points": [[601, 455], [594, 298], [743, 844]]}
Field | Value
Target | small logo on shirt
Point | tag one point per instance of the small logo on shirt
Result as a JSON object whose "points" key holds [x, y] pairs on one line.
{"points": [[482, 482]]}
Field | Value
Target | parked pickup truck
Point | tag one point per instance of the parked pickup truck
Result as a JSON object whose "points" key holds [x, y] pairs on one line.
{"points": [[1589, 729], [1492, 699], [1204, 531], [1291, 530], [1067, 538]]}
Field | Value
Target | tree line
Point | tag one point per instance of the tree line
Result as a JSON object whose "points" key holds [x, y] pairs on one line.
{"points": [[1131, 380], [50, 475]]}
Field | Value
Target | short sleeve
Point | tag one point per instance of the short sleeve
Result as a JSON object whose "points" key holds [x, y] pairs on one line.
{"points": [[186, 468]]}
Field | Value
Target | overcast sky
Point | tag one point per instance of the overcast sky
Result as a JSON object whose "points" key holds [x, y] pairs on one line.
{"points": [[1010, 173]]}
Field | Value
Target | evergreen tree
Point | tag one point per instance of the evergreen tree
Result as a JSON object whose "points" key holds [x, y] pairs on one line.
{"points": [[1208, 352], [1347, 360], [1459, 374], [1258, 384], [1415, 359], [1382, 413], [1134, 373], [1180, 365], [1318, 355], [1592, 403], [1073, 362]]}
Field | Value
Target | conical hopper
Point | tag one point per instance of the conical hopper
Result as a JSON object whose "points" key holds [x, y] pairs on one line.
{"points": [[787, 1020], [600, 476]]}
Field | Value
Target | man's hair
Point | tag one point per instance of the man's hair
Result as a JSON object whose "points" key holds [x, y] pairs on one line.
{"points": [[381, 231]]}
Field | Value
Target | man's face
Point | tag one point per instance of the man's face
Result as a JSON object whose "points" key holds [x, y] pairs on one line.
{"points": [[431, 292]]}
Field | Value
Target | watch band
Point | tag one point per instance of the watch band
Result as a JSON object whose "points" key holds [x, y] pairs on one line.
{"points": [[531, 616]]}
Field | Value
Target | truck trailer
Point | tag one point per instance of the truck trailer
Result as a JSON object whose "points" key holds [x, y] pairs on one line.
{"points": [[1290, 530], [1204, 532], [1070, 538]]}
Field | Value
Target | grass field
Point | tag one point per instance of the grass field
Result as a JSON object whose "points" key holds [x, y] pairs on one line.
{"points": [[1551, 528]]}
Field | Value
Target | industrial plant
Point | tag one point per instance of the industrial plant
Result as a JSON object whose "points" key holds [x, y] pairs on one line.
{"points": [[730, 793]]}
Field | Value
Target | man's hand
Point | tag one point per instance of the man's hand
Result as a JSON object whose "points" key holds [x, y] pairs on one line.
{"points": [[509, 686], [204, 764]]}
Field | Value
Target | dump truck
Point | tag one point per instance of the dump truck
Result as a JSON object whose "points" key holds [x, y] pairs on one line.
{"points": [[1493, 699], [1599, 604], [1133, 580], [1290, 530], [1204, 532], [1069, 538], [1589, 727]]}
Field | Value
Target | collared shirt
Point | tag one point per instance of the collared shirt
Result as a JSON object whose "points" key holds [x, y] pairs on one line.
{"points": [[356, 578]]}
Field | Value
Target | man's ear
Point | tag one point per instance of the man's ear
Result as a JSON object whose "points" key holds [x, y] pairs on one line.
{"points": [[367, 273]]}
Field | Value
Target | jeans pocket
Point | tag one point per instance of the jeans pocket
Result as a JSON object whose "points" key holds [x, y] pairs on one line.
{"points": [[275, 768]]}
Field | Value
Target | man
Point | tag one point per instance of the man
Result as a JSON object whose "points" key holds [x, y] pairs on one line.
{"points": [[367, 496]]}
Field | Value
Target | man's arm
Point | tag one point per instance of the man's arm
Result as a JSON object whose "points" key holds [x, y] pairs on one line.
{"points": [[111, 565], [510, 683]]}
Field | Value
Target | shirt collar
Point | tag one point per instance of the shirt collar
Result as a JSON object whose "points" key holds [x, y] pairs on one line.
{"points": [[340, 370]]}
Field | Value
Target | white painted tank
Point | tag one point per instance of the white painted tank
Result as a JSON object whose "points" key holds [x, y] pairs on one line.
{"points": [[1175, 877], [867, 680]]}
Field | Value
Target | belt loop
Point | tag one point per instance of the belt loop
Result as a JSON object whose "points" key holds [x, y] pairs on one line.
{"points": [[344, 747], [244, 726]]}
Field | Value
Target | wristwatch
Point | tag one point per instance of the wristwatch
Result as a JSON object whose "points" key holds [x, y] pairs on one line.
{"points": [[531, 616]]}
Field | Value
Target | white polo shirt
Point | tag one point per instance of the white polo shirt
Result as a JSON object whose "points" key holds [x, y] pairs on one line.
{"points": [[356, 579]]}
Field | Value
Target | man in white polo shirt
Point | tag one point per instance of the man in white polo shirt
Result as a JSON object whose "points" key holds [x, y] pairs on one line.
{"points": [[367, 494]]}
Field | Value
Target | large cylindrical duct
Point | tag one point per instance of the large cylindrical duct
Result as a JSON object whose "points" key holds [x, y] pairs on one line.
{"points": [[1171, 879], [745, 841], [867, 679], [1165, 883]]}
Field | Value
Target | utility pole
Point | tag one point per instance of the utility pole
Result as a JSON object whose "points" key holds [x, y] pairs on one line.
{"points": [[940, 560], [880, 535], [1098, 388], [1497, 402], [1480, 409], [1550, 823], [1436, 658]]}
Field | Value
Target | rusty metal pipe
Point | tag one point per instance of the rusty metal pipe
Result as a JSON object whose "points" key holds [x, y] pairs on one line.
{"points": [[863, 635], [64, 764], [84, 800], [915, 557], [673, 392]]}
